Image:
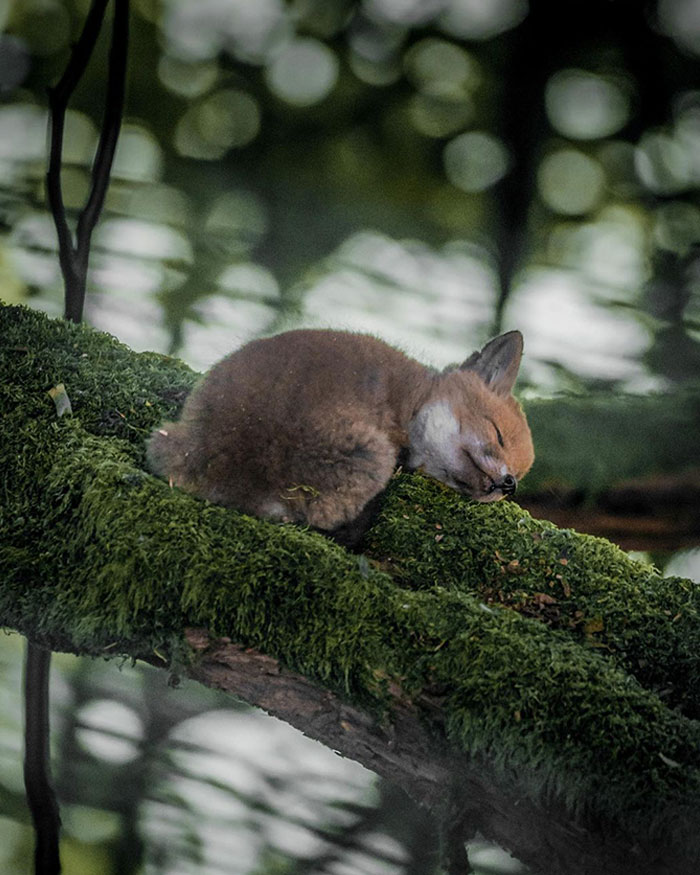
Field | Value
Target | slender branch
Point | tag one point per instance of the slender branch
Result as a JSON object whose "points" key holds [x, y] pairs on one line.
{"points": [[73, 257], [82, 52], [58, 104], [37, 780], [111, 123]]}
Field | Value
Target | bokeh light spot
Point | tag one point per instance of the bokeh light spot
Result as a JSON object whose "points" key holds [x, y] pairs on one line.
{"points": [[570, 182], [432, 62], [91, 825], [442, 112], [140, 239], [376, 73], [663, 163], [680, 19], [223, 323], [22, 132], [405, 12], [76, 187], [304, 73], [375, 51], [80, 139], [97, 735], [138, 157], [564, 324], [445, 76], [236, 221], [251, 32], [159, 203], [609, 251], [187, 79], [228, 119], [475, 161], [677, 227], [482, 19], [249, 280], [584, 106], [430, 303]]}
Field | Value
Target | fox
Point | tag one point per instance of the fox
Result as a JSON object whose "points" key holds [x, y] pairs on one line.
{"points": [[308, 426]]}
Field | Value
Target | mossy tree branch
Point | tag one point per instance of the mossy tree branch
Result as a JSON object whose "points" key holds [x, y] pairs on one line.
{"points": [[533, 683]]}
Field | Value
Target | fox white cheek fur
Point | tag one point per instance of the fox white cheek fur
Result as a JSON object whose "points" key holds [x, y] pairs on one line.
{"points": [[434, 439]]}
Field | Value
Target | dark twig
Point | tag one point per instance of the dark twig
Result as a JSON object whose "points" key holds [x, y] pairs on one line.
{"points": [[73, 257], [37, 780], [58, 103], [111, 123]]}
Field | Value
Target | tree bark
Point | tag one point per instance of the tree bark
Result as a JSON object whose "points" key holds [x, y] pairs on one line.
{"points": [[525, 681], [410, 754]]}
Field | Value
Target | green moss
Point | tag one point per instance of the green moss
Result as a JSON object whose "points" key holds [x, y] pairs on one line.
{"points": [[97, 555], [108, 393], [647, 624]]}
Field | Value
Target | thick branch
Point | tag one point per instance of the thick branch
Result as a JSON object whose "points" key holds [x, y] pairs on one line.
{"points": [[396, 752], [532, 665], [409, 754]]}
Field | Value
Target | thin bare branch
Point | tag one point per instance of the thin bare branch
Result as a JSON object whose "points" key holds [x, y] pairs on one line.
{"points": [[111, 124], [73, 256], [58, 104]]}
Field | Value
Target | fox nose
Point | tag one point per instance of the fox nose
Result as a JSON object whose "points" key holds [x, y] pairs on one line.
{"points": [[508, 485]]}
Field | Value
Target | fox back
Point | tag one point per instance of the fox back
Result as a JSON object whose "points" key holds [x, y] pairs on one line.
{"points": [[308, 426]]}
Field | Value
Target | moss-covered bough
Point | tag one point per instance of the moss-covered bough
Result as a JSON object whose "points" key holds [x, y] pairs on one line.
{"points": [[536, 671]]}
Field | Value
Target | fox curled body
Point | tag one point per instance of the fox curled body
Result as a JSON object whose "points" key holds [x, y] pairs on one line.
{"points": [[308, 426]]}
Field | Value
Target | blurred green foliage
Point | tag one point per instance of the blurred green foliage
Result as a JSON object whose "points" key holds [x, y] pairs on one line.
{"points": [[483, 163]]}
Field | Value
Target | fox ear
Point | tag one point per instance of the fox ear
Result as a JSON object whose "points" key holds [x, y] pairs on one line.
{"points": [[498, 362]]}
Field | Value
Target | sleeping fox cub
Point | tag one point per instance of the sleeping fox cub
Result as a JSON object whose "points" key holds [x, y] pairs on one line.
{"points": [[308, 426]]}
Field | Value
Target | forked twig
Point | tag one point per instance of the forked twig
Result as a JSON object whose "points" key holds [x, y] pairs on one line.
{"points": [[73, 256]]}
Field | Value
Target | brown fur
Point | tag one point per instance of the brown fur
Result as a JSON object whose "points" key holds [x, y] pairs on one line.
{"points": [[307, 426], [503, 410]]}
